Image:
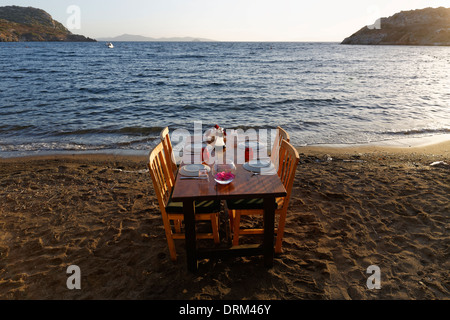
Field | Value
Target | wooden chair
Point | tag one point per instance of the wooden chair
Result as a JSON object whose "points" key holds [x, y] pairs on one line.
{"points": [[280, 136], [172, 212], [288, 161], [168, 153]]}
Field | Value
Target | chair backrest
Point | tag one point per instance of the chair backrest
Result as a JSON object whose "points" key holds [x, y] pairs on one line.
{"points": [[288, 162], [280, 136], [168, 152], [160, 173]]}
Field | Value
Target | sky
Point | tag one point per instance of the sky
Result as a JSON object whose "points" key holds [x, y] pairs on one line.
{"points": [[224, 20]]}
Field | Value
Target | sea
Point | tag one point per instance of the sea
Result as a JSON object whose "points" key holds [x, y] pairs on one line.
{"points": [[85, 97]]}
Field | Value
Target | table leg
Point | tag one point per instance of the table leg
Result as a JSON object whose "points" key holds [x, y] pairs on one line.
{"points": [[191, 243], [269, 225]]}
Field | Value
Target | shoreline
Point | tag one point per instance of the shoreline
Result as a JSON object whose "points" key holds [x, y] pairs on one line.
{"points": [[405, 142], [438, 145]]}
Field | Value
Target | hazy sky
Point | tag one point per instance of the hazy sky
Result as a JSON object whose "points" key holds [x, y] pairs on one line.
{"points": [[224, 20]]}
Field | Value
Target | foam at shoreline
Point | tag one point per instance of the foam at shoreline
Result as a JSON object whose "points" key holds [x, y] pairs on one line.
{"points": [[438, 145]]}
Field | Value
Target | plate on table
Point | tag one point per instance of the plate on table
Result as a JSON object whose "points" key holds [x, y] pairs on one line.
{"points": [[193, 167], [270, 169], [191, 170], [251, 144], [260, 163]]}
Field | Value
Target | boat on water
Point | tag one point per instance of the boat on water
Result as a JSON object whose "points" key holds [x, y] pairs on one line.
{"points": [[109, 45]]}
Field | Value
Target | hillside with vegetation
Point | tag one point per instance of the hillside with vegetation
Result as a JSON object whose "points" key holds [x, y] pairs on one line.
{"points": [[31, 24], [429, 26]]}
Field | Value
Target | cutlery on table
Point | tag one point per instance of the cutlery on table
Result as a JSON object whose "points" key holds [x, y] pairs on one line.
{"points": [[200, 178]]}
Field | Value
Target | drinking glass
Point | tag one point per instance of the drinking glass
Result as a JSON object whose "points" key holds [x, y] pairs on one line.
{"points": [[203, 174], [224, 173]]}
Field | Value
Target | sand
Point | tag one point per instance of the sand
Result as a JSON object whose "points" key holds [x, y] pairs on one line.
{"points": [[351, 208]]}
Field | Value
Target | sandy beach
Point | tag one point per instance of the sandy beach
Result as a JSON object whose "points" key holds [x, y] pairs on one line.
{"points": [[351, 208]]}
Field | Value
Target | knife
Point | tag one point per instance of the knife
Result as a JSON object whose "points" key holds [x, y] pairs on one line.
{"points": [[200, 178]]}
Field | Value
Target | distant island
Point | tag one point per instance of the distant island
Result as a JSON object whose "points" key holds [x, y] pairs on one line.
{"points": [[131, 37], [429, 26], [31, 24]]}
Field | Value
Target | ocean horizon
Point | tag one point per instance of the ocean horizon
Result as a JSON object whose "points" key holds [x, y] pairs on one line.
{"points": [[85, 97]]}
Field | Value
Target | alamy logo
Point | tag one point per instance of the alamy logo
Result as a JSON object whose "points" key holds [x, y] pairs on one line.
{"points": [[74, 20], [374, 281], [74, 281]]}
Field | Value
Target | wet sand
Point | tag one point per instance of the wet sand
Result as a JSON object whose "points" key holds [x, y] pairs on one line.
{"points": [[351, 207]]}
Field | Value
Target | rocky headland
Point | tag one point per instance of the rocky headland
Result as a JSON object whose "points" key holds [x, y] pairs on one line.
{"points": [[31, 24], [426, 27]]}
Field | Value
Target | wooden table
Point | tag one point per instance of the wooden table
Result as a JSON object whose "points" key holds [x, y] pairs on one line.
{"points": [[245, 185]]}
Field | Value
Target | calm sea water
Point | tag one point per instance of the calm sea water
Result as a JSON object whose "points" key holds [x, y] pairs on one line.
{"points": [[84, 96]]}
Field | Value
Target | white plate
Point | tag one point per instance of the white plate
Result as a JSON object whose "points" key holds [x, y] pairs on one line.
{"points": [[251, 144], [264, 171], [260, 163], [193, 167], [187, 173]]}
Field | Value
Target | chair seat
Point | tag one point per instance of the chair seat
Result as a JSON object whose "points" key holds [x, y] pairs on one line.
{"points": [[206, 206], [251, 204]]}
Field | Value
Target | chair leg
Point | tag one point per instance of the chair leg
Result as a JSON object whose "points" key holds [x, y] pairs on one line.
{"points": [[230, 216], [215, 227], [172, 250], [169, 236], [279, 235], [177, 224], [278, 243], [236, 226]]}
